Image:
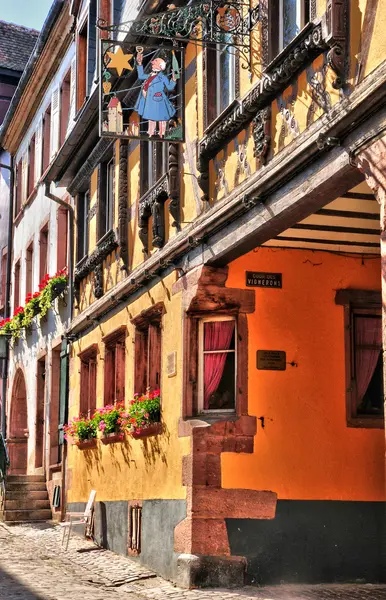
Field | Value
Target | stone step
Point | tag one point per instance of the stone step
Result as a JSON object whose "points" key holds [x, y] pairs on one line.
{"points": [[27, 515], [21, 494], [30, 486], [25, 478], [27, 503]]}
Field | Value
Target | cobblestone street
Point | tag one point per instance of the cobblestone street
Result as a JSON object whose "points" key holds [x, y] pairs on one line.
{"points": [[33, 566]]}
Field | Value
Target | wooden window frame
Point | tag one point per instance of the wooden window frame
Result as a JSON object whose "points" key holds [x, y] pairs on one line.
{"points": [[29, 268], [65, 100], [44, 243], [62, 238], [148, 349], [16, 284], [88, 380], [4, 261], [46, 137], [106, 197], [201, 353], [354, 302], [31, 167], [82, 209], [115, 366]]}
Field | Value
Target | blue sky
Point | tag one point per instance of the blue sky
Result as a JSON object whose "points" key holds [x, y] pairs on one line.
{"points": [[30, 13]]}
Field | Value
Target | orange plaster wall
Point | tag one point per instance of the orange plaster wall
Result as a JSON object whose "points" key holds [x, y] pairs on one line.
{"points": [[305, 451]]}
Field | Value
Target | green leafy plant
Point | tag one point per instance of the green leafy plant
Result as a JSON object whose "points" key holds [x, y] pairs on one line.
{"points": [[143, 411], [49, 291], [80, 429]]}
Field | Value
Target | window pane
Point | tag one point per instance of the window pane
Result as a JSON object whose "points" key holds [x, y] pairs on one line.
{"points": [[291, 21], [368, 364], [225, 75], [219, 381], [219, 335]]}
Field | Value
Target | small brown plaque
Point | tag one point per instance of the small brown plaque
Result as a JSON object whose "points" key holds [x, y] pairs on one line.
{"points": [[271, 360], [171, 364], [265, 280]]}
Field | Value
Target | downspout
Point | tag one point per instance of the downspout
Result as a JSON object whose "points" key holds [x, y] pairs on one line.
{"points": [[71, 215], [7, 304]]}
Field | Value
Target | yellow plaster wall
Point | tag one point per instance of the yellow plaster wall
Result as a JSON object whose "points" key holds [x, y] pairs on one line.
{"points": [[368, 42], [137, 469]]}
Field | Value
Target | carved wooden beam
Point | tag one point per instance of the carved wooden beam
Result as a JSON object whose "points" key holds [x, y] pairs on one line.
{"points": [[108, 244], [174, 185], [151, 204], [122, 204], [83, 176]]}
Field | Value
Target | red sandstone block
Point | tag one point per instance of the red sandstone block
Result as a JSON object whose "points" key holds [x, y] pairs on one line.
{"points": [[221, 503], [201, 536]]}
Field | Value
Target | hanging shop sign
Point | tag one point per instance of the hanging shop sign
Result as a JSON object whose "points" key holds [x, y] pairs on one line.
{"points": [[271, 360], [265, 280], [141, 92]]}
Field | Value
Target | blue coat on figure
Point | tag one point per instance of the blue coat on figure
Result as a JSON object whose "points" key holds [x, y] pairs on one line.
{"points": [[152, 103]]}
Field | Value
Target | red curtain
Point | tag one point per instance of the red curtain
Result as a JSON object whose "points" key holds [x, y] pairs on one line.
{"points": [[368, 332], [217, 336]]}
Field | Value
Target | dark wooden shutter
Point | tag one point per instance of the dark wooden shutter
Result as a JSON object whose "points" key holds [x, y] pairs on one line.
{"points": [[63, 392], [84, 387], [154, 356], [120, 371], [109, 388], [141, 354], [92, 386]]}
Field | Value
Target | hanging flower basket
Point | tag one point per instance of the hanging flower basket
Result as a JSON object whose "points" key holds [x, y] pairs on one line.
{"points": [[153, 429], [86, 444], [112, 438]]}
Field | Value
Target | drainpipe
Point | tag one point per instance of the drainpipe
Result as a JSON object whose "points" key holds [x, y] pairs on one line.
{"points": [[71, 215], [7, 303]]}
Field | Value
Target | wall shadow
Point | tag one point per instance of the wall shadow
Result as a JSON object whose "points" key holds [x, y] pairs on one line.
{"points": [[10, 587]]}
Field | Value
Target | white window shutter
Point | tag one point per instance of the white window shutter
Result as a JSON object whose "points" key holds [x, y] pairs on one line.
{"points": [[38, 150], [24, 177], [55, 123], [72, 111]]}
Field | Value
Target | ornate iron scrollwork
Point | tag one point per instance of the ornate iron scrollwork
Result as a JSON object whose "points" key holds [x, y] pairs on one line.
{"points": [[208, 22]]}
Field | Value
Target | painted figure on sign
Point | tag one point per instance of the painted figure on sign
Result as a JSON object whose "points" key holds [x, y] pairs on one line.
{"points": [[115, 122], [153, 103]]}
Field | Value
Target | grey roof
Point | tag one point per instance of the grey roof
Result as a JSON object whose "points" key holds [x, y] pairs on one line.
{"points": [[16, 45]]}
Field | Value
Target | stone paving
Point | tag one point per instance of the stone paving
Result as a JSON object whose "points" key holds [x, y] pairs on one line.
{"points": [[33, 566]]}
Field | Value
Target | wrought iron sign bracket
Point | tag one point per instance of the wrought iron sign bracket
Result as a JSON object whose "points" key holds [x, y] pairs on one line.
{"points": [[210, 23]]}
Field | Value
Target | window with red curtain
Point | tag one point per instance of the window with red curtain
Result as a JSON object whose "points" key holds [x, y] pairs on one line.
{"points": [[88, 381], [217, 364], [367, 364], [114, 365]]}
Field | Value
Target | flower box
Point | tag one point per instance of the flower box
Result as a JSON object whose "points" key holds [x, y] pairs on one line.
{"points": [[112, 438], [153, 429], [86, 444]]}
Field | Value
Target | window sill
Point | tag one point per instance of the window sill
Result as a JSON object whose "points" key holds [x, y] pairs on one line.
{"points": [[221, 116], [244, 425], [18, 217], [80, 262], [104, 237], [369, 422]]}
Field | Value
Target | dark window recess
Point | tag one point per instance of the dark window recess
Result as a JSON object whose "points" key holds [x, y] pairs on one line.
{"points": [[286, 19], [106, 198], [64, 106], [43, 253], [83, 207], [88, 381], [221, 65], [16, 289], [29, 269], [31, 167], [46, 138], [3, 275], [114, 364], [368, 365], [154, 163], [86, 55]]}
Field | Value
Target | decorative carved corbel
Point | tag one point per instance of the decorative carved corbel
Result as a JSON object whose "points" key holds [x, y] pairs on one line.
{"points": [[261, 131], [122, 204], [98, 280], [158, 223], [143, 232], [336, 38], [174, 188], [203, 168]]}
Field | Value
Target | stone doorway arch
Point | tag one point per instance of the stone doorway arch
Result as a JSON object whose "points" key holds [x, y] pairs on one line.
{"points": [[18, 426]]}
